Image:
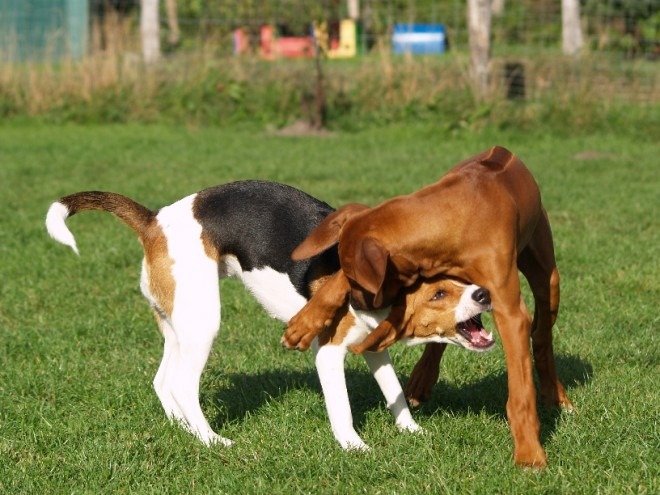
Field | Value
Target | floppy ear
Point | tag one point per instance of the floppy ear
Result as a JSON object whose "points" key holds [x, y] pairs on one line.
{"points": [[380, 339], [326, 234], [407, 271], [370, 267], [388, 332]]}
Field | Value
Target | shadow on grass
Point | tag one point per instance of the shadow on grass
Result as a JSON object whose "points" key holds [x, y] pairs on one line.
{"points": [[249, 392], [490, 394]]}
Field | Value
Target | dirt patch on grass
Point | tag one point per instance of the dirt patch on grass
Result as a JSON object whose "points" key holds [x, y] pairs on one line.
{"points": [[301, 128], [593, 155]]}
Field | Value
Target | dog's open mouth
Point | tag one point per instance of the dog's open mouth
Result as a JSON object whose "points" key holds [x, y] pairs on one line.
{"points": [[477, 339]]}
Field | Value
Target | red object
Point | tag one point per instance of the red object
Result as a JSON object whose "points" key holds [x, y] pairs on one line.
{"points": [[288, 46], [267, 49], [295, 47]]}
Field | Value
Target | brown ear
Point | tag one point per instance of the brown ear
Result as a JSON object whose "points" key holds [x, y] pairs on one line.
{"points": [[326, 234], [407, 271], [383, 332], [370, 267], [388, 332]]}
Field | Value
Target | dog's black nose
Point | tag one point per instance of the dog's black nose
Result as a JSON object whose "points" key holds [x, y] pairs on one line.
{"points": [[482, 296]]}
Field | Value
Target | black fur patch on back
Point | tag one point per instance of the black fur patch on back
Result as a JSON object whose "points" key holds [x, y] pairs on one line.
{"points": [[261, 223]]}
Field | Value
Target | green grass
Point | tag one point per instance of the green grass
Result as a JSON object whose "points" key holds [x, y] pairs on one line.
{"points": [[79, 349]]}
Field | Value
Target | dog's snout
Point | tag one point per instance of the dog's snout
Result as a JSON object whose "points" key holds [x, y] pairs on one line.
{"points": [[482, 296]]}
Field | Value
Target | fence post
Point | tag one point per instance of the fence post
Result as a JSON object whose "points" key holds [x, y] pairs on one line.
{"points": [[571, 31], [498, 7], [150, 31], [479, 28], [174, 34]]}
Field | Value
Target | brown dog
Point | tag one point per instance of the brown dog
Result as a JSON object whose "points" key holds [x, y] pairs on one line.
{"points": [[481, 222]]}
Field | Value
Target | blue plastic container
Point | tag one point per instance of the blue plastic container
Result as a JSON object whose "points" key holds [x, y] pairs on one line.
{"points": [[419, 38]]}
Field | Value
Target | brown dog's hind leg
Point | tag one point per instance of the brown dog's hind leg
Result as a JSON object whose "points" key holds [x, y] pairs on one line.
{"points": [[425, 374], [537, 263]]}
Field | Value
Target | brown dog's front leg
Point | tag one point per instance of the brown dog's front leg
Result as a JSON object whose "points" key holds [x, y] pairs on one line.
{"points": [[514, 328], [317, 314], [425, 374]]}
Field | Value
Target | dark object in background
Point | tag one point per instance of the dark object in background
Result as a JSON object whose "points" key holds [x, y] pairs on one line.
{"points": [[514, 76], [99, 7]]}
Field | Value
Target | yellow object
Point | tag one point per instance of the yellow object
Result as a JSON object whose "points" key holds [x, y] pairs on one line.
{"points": [[344, 46], [347, 40]]}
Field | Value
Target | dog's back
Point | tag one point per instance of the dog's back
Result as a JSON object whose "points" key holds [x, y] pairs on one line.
{"points": [[260, 223], [251, 228]]}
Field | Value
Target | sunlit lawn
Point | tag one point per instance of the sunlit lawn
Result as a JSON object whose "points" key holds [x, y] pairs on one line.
{"points": [[79, 349]]}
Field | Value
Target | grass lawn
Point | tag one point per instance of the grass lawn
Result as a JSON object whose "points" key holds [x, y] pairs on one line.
{"points": [[79, 349]]}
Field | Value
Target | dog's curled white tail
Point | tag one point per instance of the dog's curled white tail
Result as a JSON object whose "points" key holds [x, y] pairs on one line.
{"points": [[56, 225]]}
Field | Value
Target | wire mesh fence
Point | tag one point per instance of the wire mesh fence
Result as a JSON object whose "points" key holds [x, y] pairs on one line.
{"points": [[608, 24], [629, 27], [620, 53], [619, 59]]}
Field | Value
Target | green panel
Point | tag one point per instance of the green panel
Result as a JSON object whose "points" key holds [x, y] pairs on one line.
{"points": [[43, 29], [78, 27]]}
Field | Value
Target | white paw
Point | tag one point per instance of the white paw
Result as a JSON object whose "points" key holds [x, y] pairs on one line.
{"points": [[354, 444], [357, 447], [208, 437], [223, 441], [412, 428], [212, 438]]}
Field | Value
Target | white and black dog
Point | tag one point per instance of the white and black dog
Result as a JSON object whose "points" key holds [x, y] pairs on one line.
{"points": [[248, 230]]}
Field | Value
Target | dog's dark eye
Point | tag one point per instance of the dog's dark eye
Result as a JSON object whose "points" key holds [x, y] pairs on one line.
{"points": [[438, 295]]}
